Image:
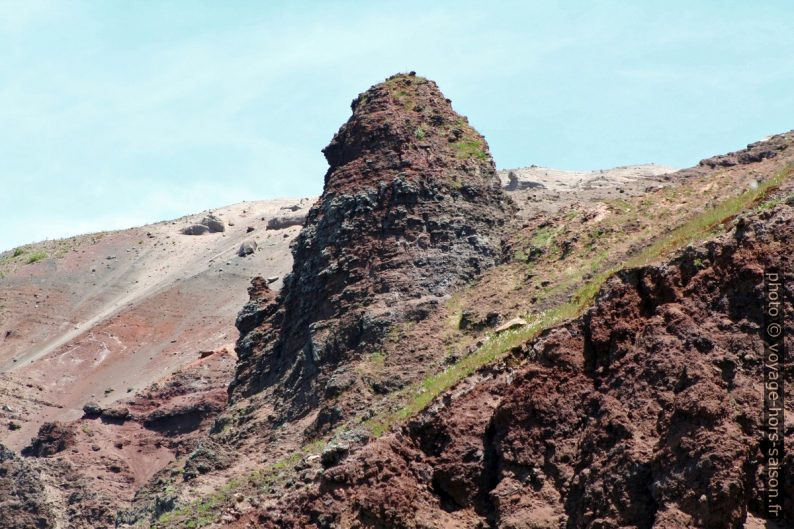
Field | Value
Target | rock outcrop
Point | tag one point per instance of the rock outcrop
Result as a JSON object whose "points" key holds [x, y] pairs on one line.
{"points": [[247, 248], [646, 412], [755, 152], [411, 209], [209, 224], [23, 501], [53, 437], [285, 221]]}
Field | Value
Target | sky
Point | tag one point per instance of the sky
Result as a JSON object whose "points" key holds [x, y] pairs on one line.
{"points": [[116, 114]]}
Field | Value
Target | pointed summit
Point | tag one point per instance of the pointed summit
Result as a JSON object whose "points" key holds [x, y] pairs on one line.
{"points": [[405, 126], [411, 210]]}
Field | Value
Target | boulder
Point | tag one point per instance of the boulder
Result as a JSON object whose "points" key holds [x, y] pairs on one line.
{"points": [[473, 321], [213, 224], [247, 248], [117, 415], [195, 229], [53, 437], [210, 223], [285, 221], [333, 453], [92, 409]]}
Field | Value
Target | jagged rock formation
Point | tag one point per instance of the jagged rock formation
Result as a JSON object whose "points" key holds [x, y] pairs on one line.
{"points": [[754, 153], [411, 208], [645, 412], [53, 437]]}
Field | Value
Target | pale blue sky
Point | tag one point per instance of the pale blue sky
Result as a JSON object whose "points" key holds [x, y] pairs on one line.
{"points": [[114, 113]]}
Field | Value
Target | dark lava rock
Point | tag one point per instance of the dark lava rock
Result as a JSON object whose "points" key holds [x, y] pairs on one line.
{"points": [[116, 415], [340, 446], [92, 409], [333, 453], [23, 500], [181, 418], [195, 229], [340, 381], [53, 437], [754, 153], [247, 248], [472, 321], [207, 456], [213, 224], [412, 208], [262, 304]]}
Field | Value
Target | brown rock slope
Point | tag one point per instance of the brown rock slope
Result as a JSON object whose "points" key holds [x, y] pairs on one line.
{"points": [[645, 413], [411, 209]]}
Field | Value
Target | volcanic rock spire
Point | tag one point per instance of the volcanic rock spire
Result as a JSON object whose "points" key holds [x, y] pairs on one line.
{"points": [[411, 209]]}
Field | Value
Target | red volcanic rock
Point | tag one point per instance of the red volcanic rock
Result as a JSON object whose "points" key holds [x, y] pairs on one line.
{"points": [[53, 437], [411, 209], [644, 413]]}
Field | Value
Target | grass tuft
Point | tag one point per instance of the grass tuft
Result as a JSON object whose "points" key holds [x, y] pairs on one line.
{"points": [[36, 257], [468, 148]]}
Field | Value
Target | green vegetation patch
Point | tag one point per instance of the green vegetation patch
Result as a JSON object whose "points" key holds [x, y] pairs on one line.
{"points": [[35, 257], [469, 147]]}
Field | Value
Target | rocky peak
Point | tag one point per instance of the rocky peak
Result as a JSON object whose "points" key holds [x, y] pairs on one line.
{"points": [[411, 209], [406, 127]]}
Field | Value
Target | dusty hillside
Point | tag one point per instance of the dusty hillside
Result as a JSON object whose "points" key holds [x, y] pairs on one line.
{"points": [[453, 347], [99, 317]]}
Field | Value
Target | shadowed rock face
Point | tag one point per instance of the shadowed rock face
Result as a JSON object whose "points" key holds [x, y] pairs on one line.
{"points": [[411, 209]]}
